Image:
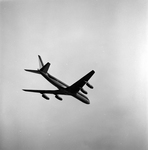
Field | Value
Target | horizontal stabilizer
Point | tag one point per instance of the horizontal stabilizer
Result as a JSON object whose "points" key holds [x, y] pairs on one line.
{"points": [[33, 71], [45, 68]]}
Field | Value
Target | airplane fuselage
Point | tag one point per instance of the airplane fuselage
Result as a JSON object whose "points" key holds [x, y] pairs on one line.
{"points": [[62, 86]]}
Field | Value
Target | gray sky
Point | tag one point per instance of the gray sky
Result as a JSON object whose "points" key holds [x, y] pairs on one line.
{"points": [[75, 37]]}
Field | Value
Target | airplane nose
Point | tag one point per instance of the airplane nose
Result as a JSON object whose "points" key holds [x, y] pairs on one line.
{"points": [[88, 102]]}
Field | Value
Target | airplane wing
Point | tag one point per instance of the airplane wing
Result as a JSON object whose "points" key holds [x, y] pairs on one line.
{"points": [[46, 91], [80, 83]]}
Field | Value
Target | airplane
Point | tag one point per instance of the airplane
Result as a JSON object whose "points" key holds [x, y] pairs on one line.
{"points": [[63, 89]]}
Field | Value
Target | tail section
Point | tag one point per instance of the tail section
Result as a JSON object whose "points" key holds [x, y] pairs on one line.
{"points": [[41, 64], [42, 67], [45, 68], [33, 71]]}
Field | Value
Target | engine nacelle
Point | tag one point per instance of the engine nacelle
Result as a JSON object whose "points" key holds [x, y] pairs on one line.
{"points": [[89, 85], [45, 96], [58, 97], [85, 92]]}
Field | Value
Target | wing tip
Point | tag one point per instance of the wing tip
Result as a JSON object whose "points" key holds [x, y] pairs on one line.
{"points": [[24, 89], [93, 71]]}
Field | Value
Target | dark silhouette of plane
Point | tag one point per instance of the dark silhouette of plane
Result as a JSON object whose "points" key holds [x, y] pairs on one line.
{"points": [[63, 89]]}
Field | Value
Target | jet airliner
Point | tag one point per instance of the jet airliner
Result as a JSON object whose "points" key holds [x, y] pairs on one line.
{"points": [[74, 90]]}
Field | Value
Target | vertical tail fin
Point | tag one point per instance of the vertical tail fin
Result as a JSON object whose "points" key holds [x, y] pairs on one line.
{"points": [[41, 64], [43, 68]]}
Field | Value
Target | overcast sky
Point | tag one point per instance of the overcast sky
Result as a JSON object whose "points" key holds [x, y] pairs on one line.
{"points": [[75, 36]]}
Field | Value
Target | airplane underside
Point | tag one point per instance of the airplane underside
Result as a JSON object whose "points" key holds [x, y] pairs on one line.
{"points": [[63, 89]]}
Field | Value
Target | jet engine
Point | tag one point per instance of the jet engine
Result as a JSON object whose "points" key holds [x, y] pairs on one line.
{"points": [[45, 96], [85, 92], [58, 97], [89, 85]]}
